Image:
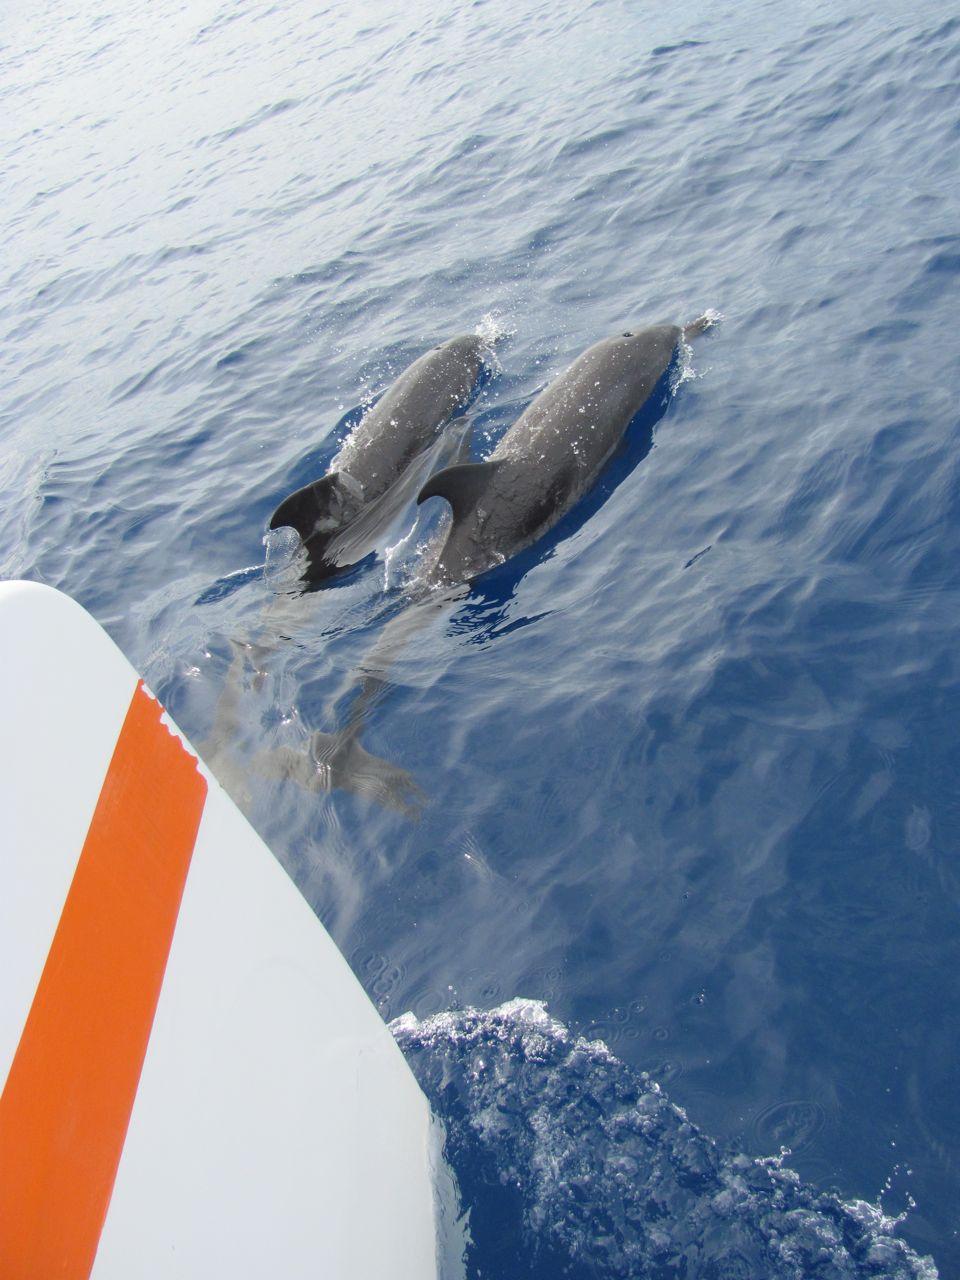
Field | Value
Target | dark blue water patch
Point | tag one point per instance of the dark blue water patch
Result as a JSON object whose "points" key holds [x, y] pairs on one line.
{"points": [[693, 559], [943, 263], [344, 269], [240, 355], [127, 390], [663, 49], [259, 117]]}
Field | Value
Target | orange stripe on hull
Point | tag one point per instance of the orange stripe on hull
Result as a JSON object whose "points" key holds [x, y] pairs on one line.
{"points": [[66, 1105]]}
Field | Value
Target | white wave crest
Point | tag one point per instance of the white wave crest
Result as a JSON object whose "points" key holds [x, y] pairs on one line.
{"points": [[589, 1170]]}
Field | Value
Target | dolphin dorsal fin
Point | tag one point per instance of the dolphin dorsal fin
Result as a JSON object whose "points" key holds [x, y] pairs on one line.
{"points": [[317, 508], [463, 486]]}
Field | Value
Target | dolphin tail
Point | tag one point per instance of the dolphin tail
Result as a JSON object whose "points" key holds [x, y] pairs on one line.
{"points": [[701, 325], [463, 486], [337, 762]]}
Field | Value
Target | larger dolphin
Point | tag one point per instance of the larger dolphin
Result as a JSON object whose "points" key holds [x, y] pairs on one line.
{"points": [[397, 432], [552, 454]]}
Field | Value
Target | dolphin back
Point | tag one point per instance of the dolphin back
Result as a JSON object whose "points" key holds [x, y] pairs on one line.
{"points": [[380, 463], [554, 451], [411, 414]]}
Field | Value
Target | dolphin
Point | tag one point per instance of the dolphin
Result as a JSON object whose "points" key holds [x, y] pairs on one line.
{"points": [[552, 454], [370, 475]]}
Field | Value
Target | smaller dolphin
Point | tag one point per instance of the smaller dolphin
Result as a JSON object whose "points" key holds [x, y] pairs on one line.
{"points": [[552, 454], [397, 432]]}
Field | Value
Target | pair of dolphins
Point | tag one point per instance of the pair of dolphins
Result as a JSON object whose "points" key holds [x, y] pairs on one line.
{"points": [[544, 463], [539, 469]]}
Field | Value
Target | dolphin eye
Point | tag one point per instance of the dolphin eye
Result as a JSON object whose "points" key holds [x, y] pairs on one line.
{"points": [[628, 335]]}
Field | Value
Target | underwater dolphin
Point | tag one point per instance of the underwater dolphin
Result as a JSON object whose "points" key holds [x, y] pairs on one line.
{"points": [[397, 431], [552, 454]]}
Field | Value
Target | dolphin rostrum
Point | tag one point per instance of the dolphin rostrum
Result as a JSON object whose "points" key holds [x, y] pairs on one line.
{"points": [[395, 433], [552, 454]]}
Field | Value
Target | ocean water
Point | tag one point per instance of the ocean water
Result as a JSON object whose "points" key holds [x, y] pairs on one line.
{"points": [[687, 772]]}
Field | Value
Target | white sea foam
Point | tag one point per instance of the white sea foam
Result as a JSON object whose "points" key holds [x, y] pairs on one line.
{"points": [[597, 1174]]}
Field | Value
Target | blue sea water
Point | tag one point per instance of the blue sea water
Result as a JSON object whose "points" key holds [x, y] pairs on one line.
{"points": [[690, 768]]}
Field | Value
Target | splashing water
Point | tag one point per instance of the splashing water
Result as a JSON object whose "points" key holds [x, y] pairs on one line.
{"points": [[407, 562], [281, 546], [573, 1164], [683, 370], [493, 327]]}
